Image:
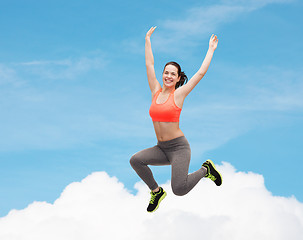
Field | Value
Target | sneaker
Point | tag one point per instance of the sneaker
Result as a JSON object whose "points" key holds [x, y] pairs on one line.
{"points": [[155, 200], [212, 172]]}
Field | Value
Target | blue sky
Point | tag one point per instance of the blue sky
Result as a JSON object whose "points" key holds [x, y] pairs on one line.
{"points": [[74, 96]]}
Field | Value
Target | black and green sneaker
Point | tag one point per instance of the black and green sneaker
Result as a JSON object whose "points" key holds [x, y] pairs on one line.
{"points": [[155, 200], [212, 172]]}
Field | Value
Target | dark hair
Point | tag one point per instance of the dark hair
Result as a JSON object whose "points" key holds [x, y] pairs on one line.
{"points": [[183, 77]]}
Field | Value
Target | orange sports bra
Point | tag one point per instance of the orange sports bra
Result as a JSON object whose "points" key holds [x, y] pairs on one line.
{"points": [[165, 112]]}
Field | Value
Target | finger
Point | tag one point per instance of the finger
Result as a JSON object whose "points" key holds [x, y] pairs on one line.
{"points": [[151, 30]]}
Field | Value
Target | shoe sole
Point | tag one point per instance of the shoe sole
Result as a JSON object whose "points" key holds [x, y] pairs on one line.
{"points": [[213, 165], [161, 198]]}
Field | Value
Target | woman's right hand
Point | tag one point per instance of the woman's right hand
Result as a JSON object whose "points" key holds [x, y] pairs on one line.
{"points": [[150, 32], [213, 42]]}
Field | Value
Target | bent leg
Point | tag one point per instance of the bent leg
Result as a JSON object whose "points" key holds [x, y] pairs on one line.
{"points": [[150, 156], [181, 181]]}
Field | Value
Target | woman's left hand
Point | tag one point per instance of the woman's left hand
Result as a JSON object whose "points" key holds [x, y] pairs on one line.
{"points": [[213, 42]]}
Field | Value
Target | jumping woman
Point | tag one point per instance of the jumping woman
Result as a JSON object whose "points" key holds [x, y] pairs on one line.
{"points": [[172, 147]]}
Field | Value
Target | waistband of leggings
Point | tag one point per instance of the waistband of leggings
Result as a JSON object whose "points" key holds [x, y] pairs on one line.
{"points": [[173, 142]]}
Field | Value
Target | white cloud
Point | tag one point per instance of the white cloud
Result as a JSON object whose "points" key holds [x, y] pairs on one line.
{"points": [[8, 76], [195, 24], [198, 23], [99, 207], [5, 73], [63, 69]]}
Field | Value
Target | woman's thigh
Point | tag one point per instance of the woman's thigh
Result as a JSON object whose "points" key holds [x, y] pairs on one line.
{"points": [[152, 156]]}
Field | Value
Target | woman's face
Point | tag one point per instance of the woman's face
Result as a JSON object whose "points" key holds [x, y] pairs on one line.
{"points": [[170, 76]]}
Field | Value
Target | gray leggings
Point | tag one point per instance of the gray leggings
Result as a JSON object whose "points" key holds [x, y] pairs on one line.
{"points": [[175, 152]]}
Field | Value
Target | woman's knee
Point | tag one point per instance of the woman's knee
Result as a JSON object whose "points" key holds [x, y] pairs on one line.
{"points": [[134, 160], [179, 190]]}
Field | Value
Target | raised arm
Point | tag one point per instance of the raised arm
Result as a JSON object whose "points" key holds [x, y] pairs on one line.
{"points": [[188, 87], [149, 62]]}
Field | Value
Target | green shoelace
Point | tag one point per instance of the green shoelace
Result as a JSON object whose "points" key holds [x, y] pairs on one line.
{"points": [[153, 197], [212, 177]]}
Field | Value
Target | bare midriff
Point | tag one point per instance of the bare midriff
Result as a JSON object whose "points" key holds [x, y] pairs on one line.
{"points": [[166, 131]]}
